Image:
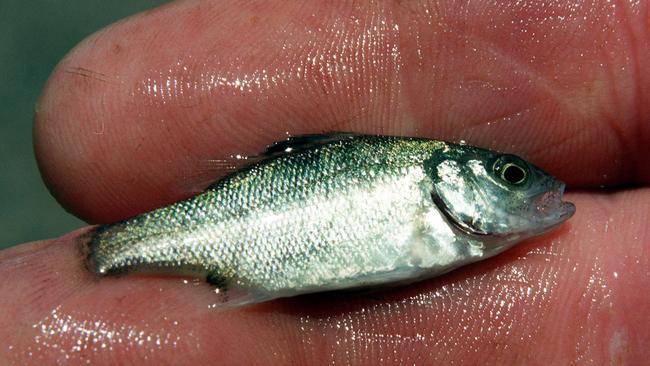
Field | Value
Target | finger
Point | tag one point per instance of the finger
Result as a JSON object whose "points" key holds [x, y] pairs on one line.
{"points": [[128, 116], [578, 294]]}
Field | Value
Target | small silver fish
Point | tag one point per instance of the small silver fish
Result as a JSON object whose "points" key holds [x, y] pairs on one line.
{"points": [[328, 212]]}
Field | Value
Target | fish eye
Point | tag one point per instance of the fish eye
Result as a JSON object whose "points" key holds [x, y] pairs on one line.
{"points": [[511, 169], [513, 174]]}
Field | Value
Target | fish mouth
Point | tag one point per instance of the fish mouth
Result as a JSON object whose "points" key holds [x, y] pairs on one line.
{"points": [[549, 210]]}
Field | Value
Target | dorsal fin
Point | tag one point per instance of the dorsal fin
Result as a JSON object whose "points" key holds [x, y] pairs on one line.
{"points": [[279, 148], [302, 142]]}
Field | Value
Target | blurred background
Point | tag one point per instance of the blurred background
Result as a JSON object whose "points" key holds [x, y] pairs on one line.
{"points": [[34, 36]]}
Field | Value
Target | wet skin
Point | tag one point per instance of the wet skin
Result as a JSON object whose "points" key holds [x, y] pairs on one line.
{"points": [[129, 120]]}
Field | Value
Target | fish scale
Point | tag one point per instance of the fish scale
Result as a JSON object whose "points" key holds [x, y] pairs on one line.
{"points": [[330, 212]]}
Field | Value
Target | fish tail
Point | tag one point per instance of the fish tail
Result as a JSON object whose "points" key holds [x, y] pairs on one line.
{"points": [[108, 248], [136, 246], [83, 243]]}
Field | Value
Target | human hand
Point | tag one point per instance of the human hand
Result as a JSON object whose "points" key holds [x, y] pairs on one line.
{"points": [[129, 118]]}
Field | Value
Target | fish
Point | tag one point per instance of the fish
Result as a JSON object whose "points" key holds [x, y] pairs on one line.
{"points": [[338, 211]]}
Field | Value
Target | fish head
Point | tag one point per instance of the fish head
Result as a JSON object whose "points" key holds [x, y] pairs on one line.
{"points": [[485, 193]]}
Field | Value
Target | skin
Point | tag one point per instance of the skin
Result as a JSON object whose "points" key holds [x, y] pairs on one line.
{"points": [[562, 85]]}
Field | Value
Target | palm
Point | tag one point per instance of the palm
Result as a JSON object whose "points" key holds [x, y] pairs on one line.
{"points": [[128, 120]]}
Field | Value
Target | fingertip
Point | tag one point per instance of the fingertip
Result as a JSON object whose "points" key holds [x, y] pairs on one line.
{"points": [[127, 116], [90, 163]]}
